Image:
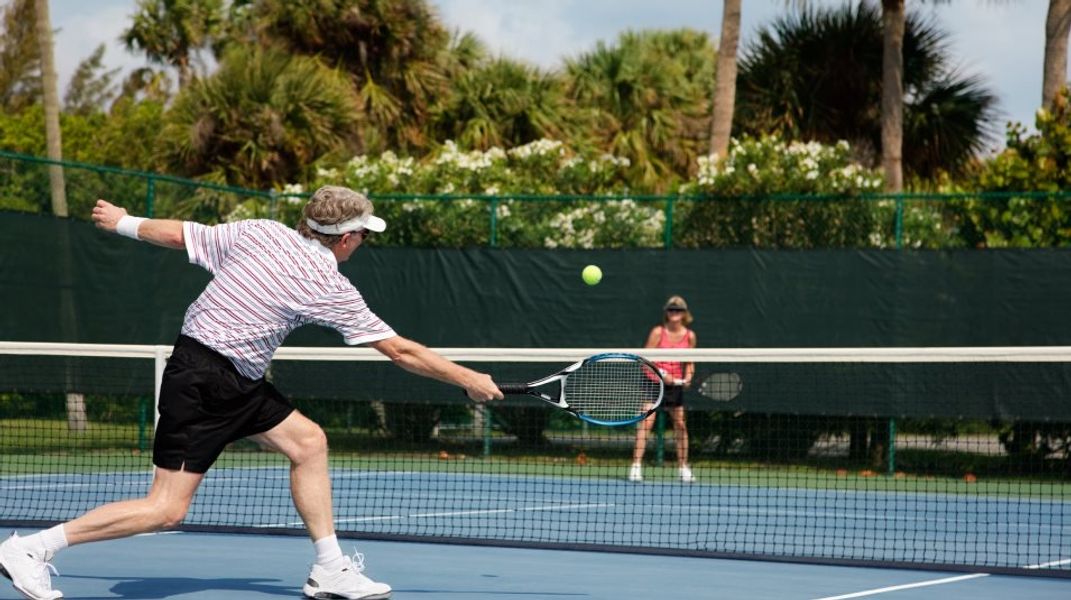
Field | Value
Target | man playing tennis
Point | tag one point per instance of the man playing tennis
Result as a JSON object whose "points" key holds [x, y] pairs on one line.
{"points": [[268, 280]]}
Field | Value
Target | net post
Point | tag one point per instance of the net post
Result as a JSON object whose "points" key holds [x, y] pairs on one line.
{"points": [[159, 361], [892, 447]]}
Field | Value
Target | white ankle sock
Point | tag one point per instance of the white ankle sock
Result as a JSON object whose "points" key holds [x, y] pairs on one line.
{"points": [[50, 540], [328, 552]]}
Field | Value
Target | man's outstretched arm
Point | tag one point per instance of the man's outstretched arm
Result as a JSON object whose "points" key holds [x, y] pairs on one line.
{"points": [[162, 232]]}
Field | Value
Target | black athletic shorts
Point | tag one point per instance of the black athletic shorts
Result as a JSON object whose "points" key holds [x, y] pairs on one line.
{"points": [[205, 404], [672, 395]]}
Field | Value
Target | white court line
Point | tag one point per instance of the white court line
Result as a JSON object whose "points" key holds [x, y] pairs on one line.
{"points": [[1055, 563], [460, 513], [906, 586], [943, 581]]}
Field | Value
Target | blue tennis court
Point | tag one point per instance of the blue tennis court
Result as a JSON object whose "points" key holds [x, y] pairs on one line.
{"points": [[661, 515], [209, 566]]}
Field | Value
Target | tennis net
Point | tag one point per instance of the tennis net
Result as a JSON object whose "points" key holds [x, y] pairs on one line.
{"points": [[948, 458]]}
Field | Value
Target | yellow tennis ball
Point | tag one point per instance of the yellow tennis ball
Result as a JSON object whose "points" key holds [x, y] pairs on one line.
{"points": [[591, 274]]}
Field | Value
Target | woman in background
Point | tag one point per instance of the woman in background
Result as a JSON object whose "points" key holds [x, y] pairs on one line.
{"points": [[672, 333]]}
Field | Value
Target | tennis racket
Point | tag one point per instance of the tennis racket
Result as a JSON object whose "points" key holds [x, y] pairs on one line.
{"points": [[611, 389], [722, 387]]}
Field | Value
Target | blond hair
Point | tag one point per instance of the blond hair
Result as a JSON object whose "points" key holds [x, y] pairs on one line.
{"points": [[678, 301], [329, 205]]}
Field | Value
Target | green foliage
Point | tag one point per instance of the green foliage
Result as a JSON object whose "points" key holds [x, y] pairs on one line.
{"points": [[504, 103], [173, 32], [649, 97], [123, 138], [90, 88], [20, 56], [1039, 162], [395, 52], [261, 119], [741, 207]]}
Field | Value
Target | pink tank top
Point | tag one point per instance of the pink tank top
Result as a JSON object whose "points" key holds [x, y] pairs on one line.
{"points": [[673, 370]]}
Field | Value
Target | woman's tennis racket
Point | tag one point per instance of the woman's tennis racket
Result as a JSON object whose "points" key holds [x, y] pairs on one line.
{"points": [[609, 389]]}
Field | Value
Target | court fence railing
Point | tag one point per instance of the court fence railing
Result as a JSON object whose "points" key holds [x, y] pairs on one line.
{"points": [[982, 219]]}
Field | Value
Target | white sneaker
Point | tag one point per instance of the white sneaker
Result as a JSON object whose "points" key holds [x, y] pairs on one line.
{"points": [[347, 583], [686, 474], [635, 472], [27, 571]]}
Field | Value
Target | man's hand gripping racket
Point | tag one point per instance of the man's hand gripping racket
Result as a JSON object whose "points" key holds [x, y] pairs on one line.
{"points": [[609, 389]]}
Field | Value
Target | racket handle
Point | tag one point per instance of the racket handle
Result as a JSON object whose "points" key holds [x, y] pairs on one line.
{"points": [[513, 388]]}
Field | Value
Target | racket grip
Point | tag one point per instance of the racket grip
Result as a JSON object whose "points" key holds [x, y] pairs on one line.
{"points": [[513, 388]]}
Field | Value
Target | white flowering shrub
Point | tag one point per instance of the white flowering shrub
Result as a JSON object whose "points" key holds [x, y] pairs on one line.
{"points": [[537, 192], [765, 193], [770, 193]]}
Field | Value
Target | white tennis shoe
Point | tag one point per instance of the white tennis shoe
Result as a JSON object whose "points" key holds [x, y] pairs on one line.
{"points": [[28, 571], [686, 474], [635, 472], [348, 583]]}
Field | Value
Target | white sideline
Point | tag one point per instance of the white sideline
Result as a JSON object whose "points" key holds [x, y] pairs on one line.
{"points": [[943, 581]]}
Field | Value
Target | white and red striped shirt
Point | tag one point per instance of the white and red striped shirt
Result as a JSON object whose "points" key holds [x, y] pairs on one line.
{"points": [[269, 280]]}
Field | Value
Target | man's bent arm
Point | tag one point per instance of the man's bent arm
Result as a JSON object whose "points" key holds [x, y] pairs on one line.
{"points": [[162, 232]]}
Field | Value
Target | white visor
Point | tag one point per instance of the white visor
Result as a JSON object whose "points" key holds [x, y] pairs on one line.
{"points": [[369, 222]]}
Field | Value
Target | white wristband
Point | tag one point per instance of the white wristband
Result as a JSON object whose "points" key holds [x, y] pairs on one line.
{"points": [[128, 226]]}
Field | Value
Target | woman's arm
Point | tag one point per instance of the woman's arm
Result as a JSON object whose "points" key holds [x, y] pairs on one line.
{"points": [[689, 368], [652, 338]]}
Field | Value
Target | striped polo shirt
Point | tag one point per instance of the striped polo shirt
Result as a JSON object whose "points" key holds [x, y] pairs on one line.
{"points": [[267, 281]]}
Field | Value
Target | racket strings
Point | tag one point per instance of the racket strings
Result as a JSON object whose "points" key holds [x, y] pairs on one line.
{"points": [[613, 389]]}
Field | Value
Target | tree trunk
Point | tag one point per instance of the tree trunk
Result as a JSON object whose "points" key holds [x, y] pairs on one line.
{"points": [[51, 94], [892, 93], [1057, 26], [721, 124], [76, 403]]}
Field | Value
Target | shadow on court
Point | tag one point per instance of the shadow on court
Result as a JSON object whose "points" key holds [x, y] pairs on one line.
{"points": [[495, 593], [148, 588]]}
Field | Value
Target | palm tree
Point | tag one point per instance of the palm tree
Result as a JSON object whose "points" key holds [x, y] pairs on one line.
{"points": [[20, 56], [504, 103], [393, 50], [649, 97], [90, 88], [817, 74], [892, 93], [76, 402], [1057, 27], [50, 88], [172, 32], [721, 123], [261, 120]]}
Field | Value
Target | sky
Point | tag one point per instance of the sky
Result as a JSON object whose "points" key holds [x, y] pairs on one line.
{"points": [[1001, 41]]}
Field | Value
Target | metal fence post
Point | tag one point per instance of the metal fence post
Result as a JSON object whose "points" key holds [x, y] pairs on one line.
{"points": [[899, 221], [667, 241], [150, 197], [494, 221]]}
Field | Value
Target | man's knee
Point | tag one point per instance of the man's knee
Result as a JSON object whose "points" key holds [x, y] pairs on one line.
{"points": [[170, 514], [310, 443]]}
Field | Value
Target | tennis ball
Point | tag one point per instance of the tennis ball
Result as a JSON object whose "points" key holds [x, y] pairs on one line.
{"points": [[591, 274]]}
